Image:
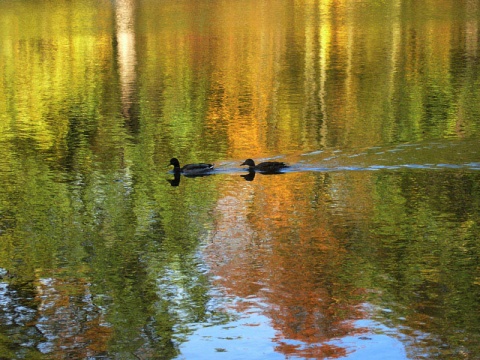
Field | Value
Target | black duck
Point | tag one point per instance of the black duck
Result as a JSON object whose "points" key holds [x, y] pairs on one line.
{"points": [[190, 169], [265, 167]]}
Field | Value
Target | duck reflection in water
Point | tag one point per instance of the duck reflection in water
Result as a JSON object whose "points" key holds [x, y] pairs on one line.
{"points": [[176, 180], [265, 168], [250, 176]]}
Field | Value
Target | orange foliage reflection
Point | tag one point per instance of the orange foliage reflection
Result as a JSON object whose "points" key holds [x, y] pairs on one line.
{"points": [[286, 262], [65, 306]]}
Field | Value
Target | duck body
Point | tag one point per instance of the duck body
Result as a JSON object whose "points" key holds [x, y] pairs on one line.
{"points": [[190, 169], [268, 167]]}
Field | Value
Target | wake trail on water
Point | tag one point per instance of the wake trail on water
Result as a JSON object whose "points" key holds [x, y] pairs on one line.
{"points": [[434, 155], [459, 154]]}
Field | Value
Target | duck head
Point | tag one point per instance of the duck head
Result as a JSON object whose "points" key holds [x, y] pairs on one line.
{"points": [[175, 162], [249, 162]]}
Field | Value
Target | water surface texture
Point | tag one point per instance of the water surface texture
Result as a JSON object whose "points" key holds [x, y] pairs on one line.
{"points": [[366, 247]]}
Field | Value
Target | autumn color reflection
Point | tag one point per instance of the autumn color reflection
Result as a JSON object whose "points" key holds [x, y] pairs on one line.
{"points": [[106, 248], [286, 262], [68, 319]]}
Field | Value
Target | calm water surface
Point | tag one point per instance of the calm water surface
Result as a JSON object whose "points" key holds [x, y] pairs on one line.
{"points": [[367, 247]]}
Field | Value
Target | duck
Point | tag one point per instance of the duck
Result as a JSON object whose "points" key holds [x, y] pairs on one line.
{"points": [[265, 167], [190, 169]]}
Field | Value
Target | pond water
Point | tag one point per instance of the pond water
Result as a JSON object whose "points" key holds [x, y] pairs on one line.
{"points": [[366, 247]]}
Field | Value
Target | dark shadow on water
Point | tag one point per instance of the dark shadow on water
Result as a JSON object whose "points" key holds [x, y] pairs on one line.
{"points": [[251, 174], [176, 177], [175, 181]]}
